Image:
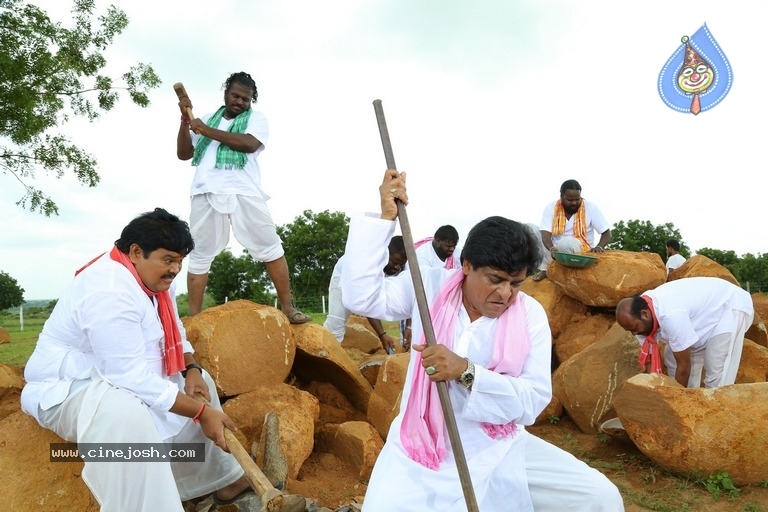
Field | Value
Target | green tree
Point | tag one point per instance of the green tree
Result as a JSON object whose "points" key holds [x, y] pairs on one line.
{"points": [[11, 295], [728, 259], [48, 73], [642, 236], [313, 244], [233, 278]]}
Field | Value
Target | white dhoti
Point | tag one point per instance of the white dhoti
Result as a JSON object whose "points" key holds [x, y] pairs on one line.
{"points": [[96, 412], [719, 358]]}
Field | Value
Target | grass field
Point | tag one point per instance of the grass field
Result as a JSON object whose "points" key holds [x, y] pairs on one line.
{"points": [[22, 342]]}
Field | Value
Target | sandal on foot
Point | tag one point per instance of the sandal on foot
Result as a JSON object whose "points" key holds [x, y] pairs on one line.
{"points": [[538, 276], [296, 317], [219, 501]]}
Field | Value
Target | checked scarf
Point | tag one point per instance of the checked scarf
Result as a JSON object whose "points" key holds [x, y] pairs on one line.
{"points": [[579, 224], [226, 157]]}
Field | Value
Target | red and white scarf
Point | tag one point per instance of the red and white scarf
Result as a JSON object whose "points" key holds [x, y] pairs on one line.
{"points": [[423, 427], [174, 349], [650, 348]]}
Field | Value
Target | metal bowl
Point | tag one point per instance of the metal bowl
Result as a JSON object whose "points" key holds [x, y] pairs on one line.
{"points": [[574, 260], [614, 429]]}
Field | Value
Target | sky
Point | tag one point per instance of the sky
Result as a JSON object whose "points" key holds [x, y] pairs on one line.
{"points": [[490, 106]]}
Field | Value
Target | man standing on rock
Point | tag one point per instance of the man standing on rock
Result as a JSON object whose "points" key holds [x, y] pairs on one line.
{"points": [[226, 191], [493, 352], [701, 319]]}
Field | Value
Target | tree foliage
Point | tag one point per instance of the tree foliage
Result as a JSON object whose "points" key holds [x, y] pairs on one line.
{"points": [[48, 73], [11, 294], [313, 244], [642, 236], [233, 278]]}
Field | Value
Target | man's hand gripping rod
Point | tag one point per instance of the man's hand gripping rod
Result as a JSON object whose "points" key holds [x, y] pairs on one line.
{"points": [[426, 321]]}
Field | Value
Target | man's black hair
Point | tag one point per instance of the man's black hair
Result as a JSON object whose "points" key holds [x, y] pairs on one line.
{"points": [[154, 230], [503, 244], [447, 233], [245, 79], [569, 185]]}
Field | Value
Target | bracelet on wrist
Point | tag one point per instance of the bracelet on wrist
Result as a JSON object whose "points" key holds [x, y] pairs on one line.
{"points": [[382, 334], [196, 418]]}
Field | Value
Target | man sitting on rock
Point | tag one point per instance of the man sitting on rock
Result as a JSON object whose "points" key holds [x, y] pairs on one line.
{"points": [[112, 369], [702, 320], [569, 224], [493, 353]]}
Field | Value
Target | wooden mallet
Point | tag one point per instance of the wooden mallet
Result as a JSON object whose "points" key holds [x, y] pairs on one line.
{"points": [[271, 498], [181, 93]]}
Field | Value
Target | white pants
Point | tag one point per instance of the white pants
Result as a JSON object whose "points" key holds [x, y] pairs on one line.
{"points": [[719, 357], [210, 220], [120, 417], [336, 322], [567, 244]]}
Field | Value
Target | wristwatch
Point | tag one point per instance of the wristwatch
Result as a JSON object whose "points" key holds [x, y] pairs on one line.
{"points": [[189, 367], [468, 377]]}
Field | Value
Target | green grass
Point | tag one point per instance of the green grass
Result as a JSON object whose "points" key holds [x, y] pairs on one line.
{"points": [[23, 342]]}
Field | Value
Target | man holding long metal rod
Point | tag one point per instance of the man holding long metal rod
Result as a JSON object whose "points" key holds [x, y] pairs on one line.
{"points": [[493, 350]]}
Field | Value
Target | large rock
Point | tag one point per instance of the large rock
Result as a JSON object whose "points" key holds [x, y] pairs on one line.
{"points": [[296, 410], [31, 482], [11, 383], [335, 407], [243, 345], [753, 366], [5, 336], [385, 399], [319, 357], [758, 331], [617, 274], [356, 443], [361, 336], [587, 383], [583, 330], [558, 306], [701, 266], [698, 430]]}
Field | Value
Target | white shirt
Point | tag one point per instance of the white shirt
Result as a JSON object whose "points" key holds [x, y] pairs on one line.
{"points": [[494, 398], [674, 261], [690, 311], [596, 223], [246, 181], [104, 323], [427, 256]]}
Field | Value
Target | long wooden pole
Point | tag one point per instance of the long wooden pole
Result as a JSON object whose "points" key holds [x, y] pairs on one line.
{"points": [[426, 322]]}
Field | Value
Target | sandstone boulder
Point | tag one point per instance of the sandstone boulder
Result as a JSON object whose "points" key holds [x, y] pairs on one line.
{"points": [[587, 383], [31, 482], [701, 266], [243, 345], [356, 443], [617, 274], [11, 383], [359, 335], [698, 431], [558, 306], [297, 412], [5, 336], [385, 399], [319, 357], [583, 330], [753, 366], [370, 367], [335, 407]]}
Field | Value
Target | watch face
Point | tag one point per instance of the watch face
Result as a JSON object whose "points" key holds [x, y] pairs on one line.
{"points": [[468, 379]]}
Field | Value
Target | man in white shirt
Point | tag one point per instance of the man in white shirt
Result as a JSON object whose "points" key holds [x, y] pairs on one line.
{"points": [[226, 191], [569, 225], [701, 319], [674, 258], [493, 351], [113, 368]]}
